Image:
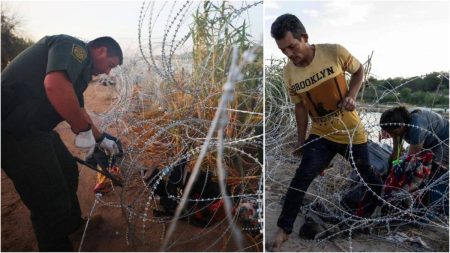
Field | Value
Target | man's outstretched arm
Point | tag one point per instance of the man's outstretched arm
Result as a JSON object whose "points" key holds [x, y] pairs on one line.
{"points": [[95, 131], [62, 96]]}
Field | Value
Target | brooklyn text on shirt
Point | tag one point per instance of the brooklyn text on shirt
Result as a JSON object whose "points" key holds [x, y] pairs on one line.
{"points": [[326, 72]]}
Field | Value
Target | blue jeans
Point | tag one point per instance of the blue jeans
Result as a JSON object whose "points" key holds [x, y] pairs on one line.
{"points": [[316, 156]]}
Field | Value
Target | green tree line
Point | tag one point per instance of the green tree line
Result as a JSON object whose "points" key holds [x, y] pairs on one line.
{"points": [[12, 43], [430, 90]]}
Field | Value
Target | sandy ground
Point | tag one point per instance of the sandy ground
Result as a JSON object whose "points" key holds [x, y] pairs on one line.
{"points": [[438, 240], [111, 235]]}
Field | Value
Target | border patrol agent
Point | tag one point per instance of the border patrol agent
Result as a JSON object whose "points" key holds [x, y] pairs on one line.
{"points": [[41, 87]]}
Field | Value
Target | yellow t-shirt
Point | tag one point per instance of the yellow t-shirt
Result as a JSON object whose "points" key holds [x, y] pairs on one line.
{"points": [[321, 86]]}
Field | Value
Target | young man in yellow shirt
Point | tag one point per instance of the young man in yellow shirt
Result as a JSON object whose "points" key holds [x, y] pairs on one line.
{"points": [[315, 79]]}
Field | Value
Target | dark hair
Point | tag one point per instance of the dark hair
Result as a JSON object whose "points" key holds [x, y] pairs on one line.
{"points": [[394, 115], [287, 23], [111, 45]]}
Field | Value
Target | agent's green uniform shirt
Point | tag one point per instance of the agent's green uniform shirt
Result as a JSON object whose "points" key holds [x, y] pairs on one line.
{"points": [[44, 172], [25, 106]]}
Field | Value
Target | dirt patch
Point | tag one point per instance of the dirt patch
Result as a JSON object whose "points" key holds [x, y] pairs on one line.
{"points": [[275, 188]]}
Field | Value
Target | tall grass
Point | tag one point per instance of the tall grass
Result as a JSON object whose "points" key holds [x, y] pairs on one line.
{"points": [[166, 116]]}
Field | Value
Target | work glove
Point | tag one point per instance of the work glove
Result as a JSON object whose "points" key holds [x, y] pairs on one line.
{"points": [[110, 144], [85, 139]]}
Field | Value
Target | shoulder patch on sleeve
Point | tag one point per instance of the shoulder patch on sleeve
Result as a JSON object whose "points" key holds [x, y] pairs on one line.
{"points": [[79, 53]]}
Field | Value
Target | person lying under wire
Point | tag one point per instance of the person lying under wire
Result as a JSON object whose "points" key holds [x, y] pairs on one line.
{"points": [[205, 204]]}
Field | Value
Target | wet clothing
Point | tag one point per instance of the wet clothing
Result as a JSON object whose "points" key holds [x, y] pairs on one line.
{"points": [[322, 86], [430, 130], [316, 156], [43, 171]]}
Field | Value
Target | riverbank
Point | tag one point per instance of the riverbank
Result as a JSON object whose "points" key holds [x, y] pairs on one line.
{"points": [[444, 112]]}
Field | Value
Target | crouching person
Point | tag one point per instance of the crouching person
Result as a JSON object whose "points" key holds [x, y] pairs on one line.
{"points": [[42, 87], [425, 131]]}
